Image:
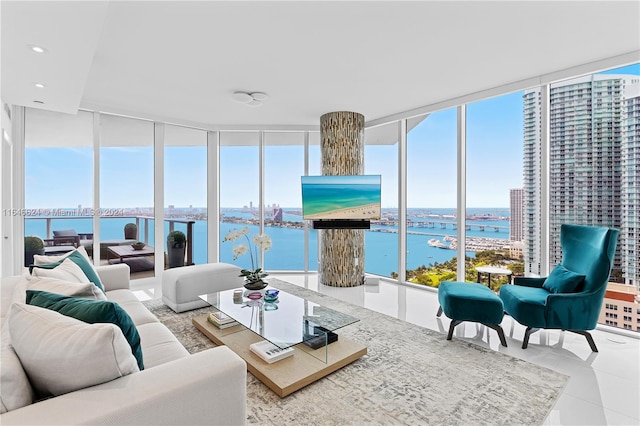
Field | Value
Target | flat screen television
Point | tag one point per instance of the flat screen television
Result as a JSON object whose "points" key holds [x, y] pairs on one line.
{"points": [[341, 197]]}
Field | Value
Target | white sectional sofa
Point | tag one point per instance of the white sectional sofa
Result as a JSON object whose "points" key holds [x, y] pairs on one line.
{"points": [[174, 388]]}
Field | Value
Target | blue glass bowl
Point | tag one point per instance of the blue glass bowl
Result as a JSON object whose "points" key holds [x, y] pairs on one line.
{"points": [[271, 295]]}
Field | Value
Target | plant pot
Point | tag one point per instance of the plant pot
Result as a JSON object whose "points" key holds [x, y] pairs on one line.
{"points": [[255, 285], [176, 255], [130, 231], [28, 256]]}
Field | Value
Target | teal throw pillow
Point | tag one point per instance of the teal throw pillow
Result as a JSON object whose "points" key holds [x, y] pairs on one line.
{"points": [[562, 280], [77, 258], [90, 311]]}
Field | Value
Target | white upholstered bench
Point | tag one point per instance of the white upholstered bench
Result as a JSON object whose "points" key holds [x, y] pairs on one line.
{"points": [[182, 286]]}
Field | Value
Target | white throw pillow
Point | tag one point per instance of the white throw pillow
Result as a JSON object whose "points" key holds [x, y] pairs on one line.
{"points": [[62, 354], [67, 288], [43, 260], [67, 271], [15, 391], [20, 290]]}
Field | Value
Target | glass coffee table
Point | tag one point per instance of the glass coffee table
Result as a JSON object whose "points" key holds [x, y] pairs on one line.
{"points": [[288, 322]]}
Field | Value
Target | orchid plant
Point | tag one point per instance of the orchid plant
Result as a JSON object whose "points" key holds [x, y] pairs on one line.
{"points": [[261, 242]]}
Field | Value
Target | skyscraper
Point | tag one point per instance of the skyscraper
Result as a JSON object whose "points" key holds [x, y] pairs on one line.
{"points": [[630, 181], [515, 198], [532, 155], [594, 161]]}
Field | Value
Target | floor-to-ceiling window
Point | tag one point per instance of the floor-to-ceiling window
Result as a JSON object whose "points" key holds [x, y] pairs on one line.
{"points": [[126, 186], [283, 166], [58, 175], [431, 198], [185, 188], [315, 169], [239, 194], [381, 241], [594, 169], [594, 127], [494, 187]]}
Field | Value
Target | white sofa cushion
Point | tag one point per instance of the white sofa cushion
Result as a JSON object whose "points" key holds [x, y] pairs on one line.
{"points": [[159, 345], [67, 288], [15, 391], [67, 270], [39, 259], [80, 258], [129, 302], [62, 354]]}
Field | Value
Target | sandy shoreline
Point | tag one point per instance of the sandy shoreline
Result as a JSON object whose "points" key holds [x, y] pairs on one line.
{"points": [[368, 211]]}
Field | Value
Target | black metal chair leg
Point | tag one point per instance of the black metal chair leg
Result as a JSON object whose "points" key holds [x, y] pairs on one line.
{"points": [[589, 337], [451, 327], [527, 334], [498, 328], [439, 311]]}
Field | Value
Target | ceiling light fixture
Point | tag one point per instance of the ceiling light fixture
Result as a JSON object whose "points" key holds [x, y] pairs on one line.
{"points": [[38, 102], [252, 99], [37, 49], [39, 85]]}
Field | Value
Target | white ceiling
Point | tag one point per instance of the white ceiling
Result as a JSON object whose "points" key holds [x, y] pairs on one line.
{"points": [[180, 61]]}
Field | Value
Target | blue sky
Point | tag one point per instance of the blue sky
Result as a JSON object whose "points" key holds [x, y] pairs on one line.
{"points": [[494, 165]]}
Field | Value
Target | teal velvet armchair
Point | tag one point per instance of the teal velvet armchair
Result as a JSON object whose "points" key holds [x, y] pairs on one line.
{"points": [[571, 297]]}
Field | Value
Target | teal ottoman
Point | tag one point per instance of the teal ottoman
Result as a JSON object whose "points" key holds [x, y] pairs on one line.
{"points": [[471, 302]]}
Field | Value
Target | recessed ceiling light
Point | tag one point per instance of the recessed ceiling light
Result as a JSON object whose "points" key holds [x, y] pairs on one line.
{"points": [[37, 49], [38, 102], [39, 85]]}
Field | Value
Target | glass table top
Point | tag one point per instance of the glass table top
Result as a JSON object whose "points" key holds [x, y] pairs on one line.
{"points": [[287, 321]]}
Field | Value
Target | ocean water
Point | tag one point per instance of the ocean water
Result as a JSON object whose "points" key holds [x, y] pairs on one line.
{"points": [[287, 252], [324, 198]]}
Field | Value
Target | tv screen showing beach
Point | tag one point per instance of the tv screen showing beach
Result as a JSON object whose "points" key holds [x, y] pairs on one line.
{"points": [[341, 197]]}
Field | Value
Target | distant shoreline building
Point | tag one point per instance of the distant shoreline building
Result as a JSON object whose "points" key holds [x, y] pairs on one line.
{"points": [[594, 125]]}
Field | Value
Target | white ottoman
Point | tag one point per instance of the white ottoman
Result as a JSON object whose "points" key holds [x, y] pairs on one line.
{"points": [[182, 286]]}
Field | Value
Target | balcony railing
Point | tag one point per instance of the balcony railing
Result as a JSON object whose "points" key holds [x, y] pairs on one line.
{"points": [[143, 231]]}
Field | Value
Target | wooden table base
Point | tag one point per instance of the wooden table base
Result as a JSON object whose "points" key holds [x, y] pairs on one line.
{"points": [[286, 376]]}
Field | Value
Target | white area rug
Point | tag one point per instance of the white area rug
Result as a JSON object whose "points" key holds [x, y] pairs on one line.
{"points": [[411, 375]]}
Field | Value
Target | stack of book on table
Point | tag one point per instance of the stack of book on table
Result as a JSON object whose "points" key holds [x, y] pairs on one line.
{"points": [[270, 352], [221, 320]]}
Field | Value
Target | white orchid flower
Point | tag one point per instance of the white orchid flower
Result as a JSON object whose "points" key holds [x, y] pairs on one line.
{"points": [[239, 250]]}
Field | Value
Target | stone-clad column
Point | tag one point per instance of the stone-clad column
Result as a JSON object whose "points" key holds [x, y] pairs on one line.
{"points": [[342, 153]]}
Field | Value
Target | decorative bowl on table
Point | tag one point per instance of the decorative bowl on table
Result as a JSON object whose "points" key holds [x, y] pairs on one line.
{"points": [[255, 285], [139, 245], [271, 295]]}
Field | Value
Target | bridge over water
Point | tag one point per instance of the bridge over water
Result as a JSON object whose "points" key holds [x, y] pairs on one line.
{"points": [[442, 225]]}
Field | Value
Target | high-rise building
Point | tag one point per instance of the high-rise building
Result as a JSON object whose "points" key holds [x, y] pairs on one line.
{"points": [[630, 181], [531, 192], [515, 198], [594, 160]]}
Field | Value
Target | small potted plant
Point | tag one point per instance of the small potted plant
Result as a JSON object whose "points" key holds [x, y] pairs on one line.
{"points": [[253, 277], [32, 245], [176, 245], [138, 245]]}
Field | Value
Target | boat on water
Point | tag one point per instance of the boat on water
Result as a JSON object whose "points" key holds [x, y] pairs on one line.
{"points": [[433, 242]]}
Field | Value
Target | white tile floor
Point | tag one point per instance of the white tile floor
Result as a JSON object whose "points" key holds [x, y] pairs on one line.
{"points": [[604, 388]]}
